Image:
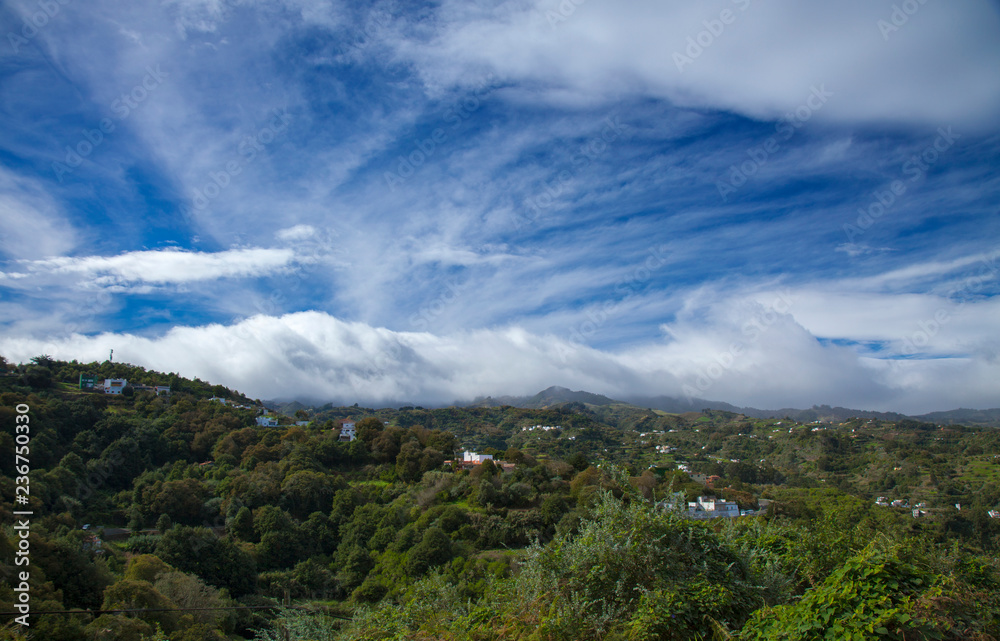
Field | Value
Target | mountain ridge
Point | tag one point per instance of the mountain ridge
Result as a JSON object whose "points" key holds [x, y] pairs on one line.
{"points": [[556, 395]]}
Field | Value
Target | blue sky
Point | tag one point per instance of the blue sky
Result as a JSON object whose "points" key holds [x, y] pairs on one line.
{"points": [[771, 204]]}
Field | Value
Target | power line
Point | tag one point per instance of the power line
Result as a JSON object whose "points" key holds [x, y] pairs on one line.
{"points": [[239, 607]]}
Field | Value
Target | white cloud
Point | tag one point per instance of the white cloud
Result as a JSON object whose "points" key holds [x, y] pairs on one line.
{"points": [[162, 266], [32, 225], [763, 63], [741, 352], [298, 232]]}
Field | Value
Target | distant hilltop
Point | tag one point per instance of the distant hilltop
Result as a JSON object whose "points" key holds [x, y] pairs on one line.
{"points": [[560, 395]]}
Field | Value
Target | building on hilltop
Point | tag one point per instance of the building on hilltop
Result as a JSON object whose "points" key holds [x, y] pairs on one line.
{"points": [[267, 421], [114, 385]]}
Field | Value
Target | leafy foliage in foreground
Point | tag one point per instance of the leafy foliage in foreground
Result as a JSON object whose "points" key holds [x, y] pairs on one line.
{"points": [[640, 573]]}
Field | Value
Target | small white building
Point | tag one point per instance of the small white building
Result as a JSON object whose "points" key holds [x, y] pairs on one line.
{"points": [[475, 459], [709, 507], [347, 432], [114, 385], [267, 421]]}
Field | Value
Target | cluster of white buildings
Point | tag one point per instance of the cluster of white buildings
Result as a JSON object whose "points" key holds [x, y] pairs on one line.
{"points": [[230, 403], [709, 507], [475, 459], [116, 386], [472, 459], [917, 510], [545, 428], [885, 502]]}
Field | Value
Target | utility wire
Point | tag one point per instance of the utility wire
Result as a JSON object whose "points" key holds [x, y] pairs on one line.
{"points": [[239, 607]]}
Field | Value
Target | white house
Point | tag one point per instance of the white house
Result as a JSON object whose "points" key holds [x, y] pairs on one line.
{"points": [[267, 421], [475, 459], [709, 507], [114, 385], [347, 432]]}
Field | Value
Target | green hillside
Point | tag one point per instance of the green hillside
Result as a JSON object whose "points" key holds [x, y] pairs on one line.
{"points": [[214, 528]]}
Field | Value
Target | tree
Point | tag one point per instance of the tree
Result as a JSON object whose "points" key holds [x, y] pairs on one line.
{"points": [[44, 360], [271, 519], [188, 591], [578, 461], [434, 549], [37, 376], [146, 567], [242, 525], [306, 491], [219, 561], [181, 499], [408, 461], [368, 428], [129, 594]]}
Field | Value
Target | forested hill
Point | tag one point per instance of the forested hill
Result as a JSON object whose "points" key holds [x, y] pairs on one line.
{"points": [[182, 508]]}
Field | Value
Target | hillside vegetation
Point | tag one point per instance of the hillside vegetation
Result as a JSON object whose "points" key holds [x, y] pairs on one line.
{"points": [[183, 508]]}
